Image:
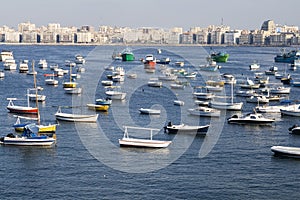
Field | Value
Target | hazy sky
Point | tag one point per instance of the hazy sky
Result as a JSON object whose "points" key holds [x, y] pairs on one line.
{"points": [[238, 14]]}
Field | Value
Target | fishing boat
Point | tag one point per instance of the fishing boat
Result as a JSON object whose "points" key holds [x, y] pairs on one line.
{"points": [[137, 142], [127, 55], [251, 118], [183, 128], [75, 117], [149, 111], [292, 152], [149, 61], [204, 112], [29, 137], [287, 57], [219, 56], [98, 107]]}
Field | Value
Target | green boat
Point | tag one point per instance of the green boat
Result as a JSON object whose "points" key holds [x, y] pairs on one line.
{"points": [[219, 57], [127, 55]]}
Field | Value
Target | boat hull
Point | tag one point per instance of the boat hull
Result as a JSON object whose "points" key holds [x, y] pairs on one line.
{"points": [[292, 152], [131, 142], [76, 118], [14, 109], [27, 141], [187, 129]]}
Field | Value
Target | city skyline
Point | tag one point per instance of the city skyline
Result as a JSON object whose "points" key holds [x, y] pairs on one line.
{"points": [[163, 14]]}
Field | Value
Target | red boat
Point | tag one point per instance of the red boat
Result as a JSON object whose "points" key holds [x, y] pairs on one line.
{"points": [[21, 109]]}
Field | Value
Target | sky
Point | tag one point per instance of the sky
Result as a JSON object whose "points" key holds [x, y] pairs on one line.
{"points": [[238, 14]]}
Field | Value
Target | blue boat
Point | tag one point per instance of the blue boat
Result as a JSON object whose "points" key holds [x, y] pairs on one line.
{"points": [[289, 57]]}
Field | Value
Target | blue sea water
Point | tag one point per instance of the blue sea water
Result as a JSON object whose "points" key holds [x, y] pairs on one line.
{"points": [[239, 165]]}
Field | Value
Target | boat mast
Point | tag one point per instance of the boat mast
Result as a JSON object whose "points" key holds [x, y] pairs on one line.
{"points": [[232, 91], [36, 94]]}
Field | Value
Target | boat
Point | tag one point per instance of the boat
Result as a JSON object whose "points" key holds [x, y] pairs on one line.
{"points": [[216, 88], [79, 59], [21, 109], [116, 55], [23, 66], [292, 152], [98, 107], [287, 57], [203, 95], [295, 83], [227, 105], [245, 93], [75, 117], [271, 109], [70, 83], [132, 76], [51, 80], [219, 57], [257, 99], [178, 103], [106, 101], [183, 128], [68, 63], [127, 55], [154, 82], [10, 64], [251, 118], [149, 61], [149, 111], [107, 83], [29, 137], [204, 112], [137, 142], [295, 129], [118, 78], [179, 63], [280, 90], [76, 90], [250, 85], [292, 110], [113, 92], [43, 64], [177, 86], [272, 70], [167, 77], [163, 61], [254, 66], [2, 74], [211, 66], [5, 55]]}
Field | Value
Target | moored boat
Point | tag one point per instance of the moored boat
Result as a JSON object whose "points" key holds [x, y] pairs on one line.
{"points": [[75, 117], [219, 56], [251, 118], [127, 55], [183, 128], [149, 111]]}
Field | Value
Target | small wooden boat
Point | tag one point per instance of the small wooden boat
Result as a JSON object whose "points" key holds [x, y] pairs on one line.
{"points": [[183, 128], [75, 117], [147, 143]]}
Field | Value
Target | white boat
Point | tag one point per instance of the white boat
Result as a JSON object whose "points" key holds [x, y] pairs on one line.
{"points": [[292, 152], [23, 66], [43, 64], [68, 63], [280, 90], [29, 137], [136, 142], [216, 88], [295, 129], [10, 64], [118, 78], [149, 111], [178, 103], [270, 109], [177, 86], [254, 66], [179, 63], [113, 92], [245, 93], [107, 83], [204, 112], [251, 118], [211, 66], [250, 85], [203, 95], [51, 80], [272, 70], [154, 82], [79, 59], [257, 99], [2, 74], [183, 128], [227, 105], [5, 55], [75, 117], [39, 97], [292, 110], [76, 90], [167, 77]]}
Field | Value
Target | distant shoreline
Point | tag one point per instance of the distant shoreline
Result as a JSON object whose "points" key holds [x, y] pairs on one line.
{"points": [[154, 45]]}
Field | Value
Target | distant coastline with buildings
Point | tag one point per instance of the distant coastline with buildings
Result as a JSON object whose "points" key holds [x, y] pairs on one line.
{"points": [[270, 34]]}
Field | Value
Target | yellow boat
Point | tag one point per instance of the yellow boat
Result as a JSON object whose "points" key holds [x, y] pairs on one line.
{"points": [[98, 107], [69, 84], [51, 128]]}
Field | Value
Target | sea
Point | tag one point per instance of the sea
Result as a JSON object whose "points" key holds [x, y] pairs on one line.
{"points": [[230, 162]]}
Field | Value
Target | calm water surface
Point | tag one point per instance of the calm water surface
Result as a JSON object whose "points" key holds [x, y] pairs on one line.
{"points": [[239, 166]]}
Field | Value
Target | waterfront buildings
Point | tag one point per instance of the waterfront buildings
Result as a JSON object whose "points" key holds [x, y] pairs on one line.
{"points": [[270, 33]]}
